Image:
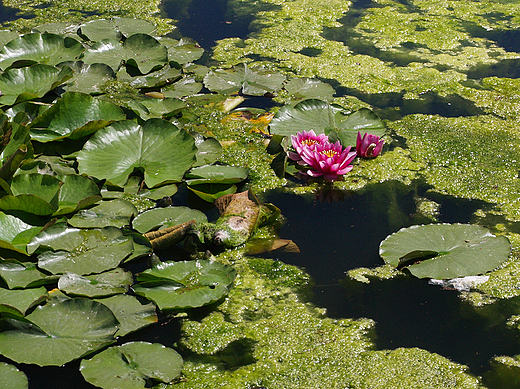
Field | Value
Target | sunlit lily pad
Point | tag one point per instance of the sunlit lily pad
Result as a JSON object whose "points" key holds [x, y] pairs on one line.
{"points": [[88, 78], [108, 51], [21, 275], [30, 83], [187, 284], [97, 285], [252, 81], [12, 378], [96, 30], [75, 115], [211, 192], [132, 365], [445, 251], [45, 48], [117, 213], [182, 88], [158, 147], [81, 251], [145, 53], [166, 217], [216, 174], [59, 333], [304, 88], [321, 117], [22, 299], [131, 314], [182, 51], [15, 234]]}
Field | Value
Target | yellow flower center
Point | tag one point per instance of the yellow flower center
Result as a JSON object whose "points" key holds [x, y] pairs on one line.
{"points": [[309, 142], [329, 153]]}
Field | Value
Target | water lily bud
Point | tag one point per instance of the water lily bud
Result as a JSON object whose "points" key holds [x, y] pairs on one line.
{"points": [[369, 146]]}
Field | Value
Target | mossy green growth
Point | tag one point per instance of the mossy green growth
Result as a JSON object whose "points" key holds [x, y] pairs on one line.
{"points": [[286, 343]]}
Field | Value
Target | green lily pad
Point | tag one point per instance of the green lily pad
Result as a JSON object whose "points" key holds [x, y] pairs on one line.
{"points": [[131, 365], [88, 78], [145, 53], [116, 213], [182, 51], [182, 88], [130, 313], [22, 275], [12, 378], [44, 186], [59, 333], [321, 117], [97, 285], [187, 284], [108, 51], [7, 36], [15, 233], [208, 151], [30, 83], [75, 115], [216, 174], [115, 28], [50, 49], [211, 192], [445, 251], [158, 147], [166, 217], [163, 107], [255, 82], [304, 88], [77, 192], [22, 299], [159, 192], [81, 251]]}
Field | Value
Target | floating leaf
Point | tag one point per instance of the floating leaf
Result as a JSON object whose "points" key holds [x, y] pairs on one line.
{"points": [[50, 49], [216, 174], [158, 147], [97, 285], [117, 213], [130, 313], [145, 53], [59, 333], [75, 115], [166, 217], [115, 28], [30, 83], [187, 284], [131, 365], [15, 233], [106, 51], [88, 78], [81, 251], [12, 378], [21, 275], [163, 107], [76, 193], [309, 88], [255, 82], [445, 251], [182, 88], [211, 192], [22, 299], [182, 51], [208, 151]]}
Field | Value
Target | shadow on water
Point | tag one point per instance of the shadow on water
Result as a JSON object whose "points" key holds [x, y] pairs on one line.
{"points": [[8, 13], [343, 235]]}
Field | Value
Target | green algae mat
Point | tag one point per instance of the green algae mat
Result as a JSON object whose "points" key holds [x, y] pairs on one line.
{"points": [[84, 87]]}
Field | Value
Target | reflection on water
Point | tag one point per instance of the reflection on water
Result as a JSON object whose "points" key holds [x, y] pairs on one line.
{"points": [[342, 235]]}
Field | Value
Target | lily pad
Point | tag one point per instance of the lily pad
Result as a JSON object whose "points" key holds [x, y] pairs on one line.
{"points": [[22, 275], [108, 51], [182, 51], [166, 217], [445, 251], [116, 28], [22, 299], [211, 192], [12, 378], [216, 174], [30, 83], [15, 233], [59, 333], [50, 49], [130, 312], [305, 88], [81, 251], [117, 213], [132, 365], [255, 82], [158, 147], [97, 285], [75, 115], [321, 117], [187, 284], [88, 78]]}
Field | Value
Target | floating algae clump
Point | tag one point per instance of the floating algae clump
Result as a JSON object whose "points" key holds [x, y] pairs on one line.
{"points": [[283, 342]]}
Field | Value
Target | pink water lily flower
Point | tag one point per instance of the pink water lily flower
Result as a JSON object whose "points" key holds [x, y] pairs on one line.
{"points": [[368, 146], [304, 140], [328, 160]]}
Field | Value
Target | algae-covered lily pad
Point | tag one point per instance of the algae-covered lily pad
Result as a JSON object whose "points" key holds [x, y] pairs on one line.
{"points": [[186, 284], [445, 251], [158, 147], [59, 333], [81, 251], [12, 378], [166, 217], [44, 48], [255, 82], [322, 117], [96, 285], [132, 365]]}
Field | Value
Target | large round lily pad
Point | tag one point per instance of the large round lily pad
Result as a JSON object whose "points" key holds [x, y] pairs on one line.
{"points": [[131, 365], [59, 333], [445, 251], [186, 284], [158, 147]]}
